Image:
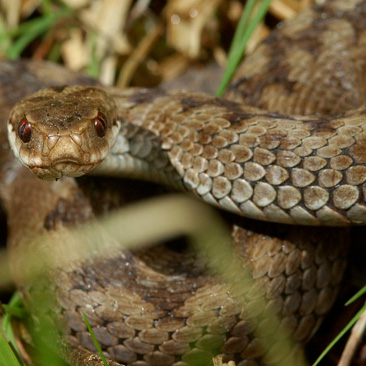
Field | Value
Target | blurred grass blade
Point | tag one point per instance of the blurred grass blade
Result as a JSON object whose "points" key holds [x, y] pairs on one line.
{"points": [[6, 280], [341, 334], [55, 53], [16, 311], [240, 31], [30, 30], [356, 296], [5, 39], [122, 229], [94, 64], [14, 308], [242, 35], [7, 356], [46, 6], [95, 341]]}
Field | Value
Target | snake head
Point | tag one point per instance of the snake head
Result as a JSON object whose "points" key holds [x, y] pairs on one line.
{"points": [[63, 131]]}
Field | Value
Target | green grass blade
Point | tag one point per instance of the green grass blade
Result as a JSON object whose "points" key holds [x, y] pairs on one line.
{"points": [[356, 296], [28, 31], [30, 24], [27, 26], [5, 39], [242, 26], [7, 356], [16, 312], [55, 52], [244, 31], [45, 352], [94, 64], [46, 6], [340, 335], [95, 341], [14, 308]]}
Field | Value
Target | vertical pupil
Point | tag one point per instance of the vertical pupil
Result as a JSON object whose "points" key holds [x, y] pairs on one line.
{"points": [[22, 128], [101, 121], [100, 124]]}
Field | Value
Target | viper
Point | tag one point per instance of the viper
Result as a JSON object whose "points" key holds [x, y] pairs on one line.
{"points": [[286, 145]]}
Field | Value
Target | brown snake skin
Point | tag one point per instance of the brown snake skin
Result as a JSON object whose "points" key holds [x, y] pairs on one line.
{"points": [[270, 166]]}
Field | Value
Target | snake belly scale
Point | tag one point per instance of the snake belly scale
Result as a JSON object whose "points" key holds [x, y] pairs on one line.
{"points": [[274, 166]]}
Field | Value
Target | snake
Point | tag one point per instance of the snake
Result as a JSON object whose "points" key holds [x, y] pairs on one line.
{"points": [[283, 151]]}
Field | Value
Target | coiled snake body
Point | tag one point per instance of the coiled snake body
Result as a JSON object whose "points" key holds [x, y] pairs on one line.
{"points": [[274, 166]]}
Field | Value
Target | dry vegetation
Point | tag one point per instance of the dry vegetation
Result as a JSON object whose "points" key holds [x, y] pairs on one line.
{"points": [[124, 41]]}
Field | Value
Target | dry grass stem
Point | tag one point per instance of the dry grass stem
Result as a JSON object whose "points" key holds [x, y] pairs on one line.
{"points": [[137, 56], [353, 341]]}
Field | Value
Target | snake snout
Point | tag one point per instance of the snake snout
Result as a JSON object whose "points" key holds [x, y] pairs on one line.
{"points": [[64, 149], [67, 157]]}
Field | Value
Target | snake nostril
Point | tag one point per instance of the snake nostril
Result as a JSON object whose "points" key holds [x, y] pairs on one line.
{"points": [[100, 124], [25, 130]]}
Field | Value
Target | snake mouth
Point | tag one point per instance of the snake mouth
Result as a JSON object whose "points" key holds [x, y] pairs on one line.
{"points": [[64, 163], [72, 168], [62, 168]]}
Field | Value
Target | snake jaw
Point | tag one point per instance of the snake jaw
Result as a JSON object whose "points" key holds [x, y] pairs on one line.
{"points": [[61, 169]]}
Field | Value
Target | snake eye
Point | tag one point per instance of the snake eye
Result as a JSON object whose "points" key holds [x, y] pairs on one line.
{"points": [[100, 124], [25, 130]]}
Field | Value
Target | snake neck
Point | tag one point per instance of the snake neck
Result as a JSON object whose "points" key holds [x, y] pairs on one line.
{"points": [[262, 165], [137, 154]]}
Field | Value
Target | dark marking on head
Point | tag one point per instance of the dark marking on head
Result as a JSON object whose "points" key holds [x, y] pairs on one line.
{"points": [[70, 120], [58, 89], [24, 77]]}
